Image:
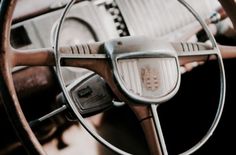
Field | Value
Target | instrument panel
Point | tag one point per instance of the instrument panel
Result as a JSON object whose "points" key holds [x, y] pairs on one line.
{"points": [[85, 23], [100, 20]]}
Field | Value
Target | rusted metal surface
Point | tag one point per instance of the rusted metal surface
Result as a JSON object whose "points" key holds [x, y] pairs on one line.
{"points": [[8, 94], [30, 83], [33, 80]]}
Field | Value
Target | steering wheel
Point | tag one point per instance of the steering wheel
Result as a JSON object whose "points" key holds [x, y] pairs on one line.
{"points": [[155, 77]]}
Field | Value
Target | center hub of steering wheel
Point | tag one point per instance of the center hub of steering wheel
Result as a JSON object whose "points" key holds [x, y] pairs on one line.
{"points": [[146, 70]]}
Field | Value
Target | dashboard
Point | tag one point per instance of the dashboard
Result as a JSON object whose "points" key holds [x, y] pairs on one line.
{"points": [[100, 20], [83, 24]]}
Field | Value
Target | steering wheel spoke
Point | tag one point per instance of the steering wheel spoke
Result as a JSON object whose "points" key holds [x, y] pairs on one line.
{"points": [[149, 120], [184, 49], [194, 52], [33, 57], [158, 129]]}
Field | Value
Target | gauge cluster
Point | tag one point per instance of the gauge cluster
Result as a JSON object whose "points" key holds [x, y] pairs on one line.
{"points": [[86, 22]]}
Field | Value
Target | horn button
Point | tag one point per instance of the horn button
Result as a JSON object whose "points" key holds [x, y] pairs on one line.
{"points": [[146, 70]]}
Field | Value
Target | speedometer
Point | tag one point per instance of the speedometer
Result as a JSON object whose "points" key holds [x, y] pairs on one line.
{"points": [[76, 31]]}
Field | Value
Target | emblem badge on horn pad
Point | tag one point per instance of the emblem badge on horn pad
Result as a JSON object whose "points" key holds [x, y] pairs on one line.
{"points": [[146, 70]]}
